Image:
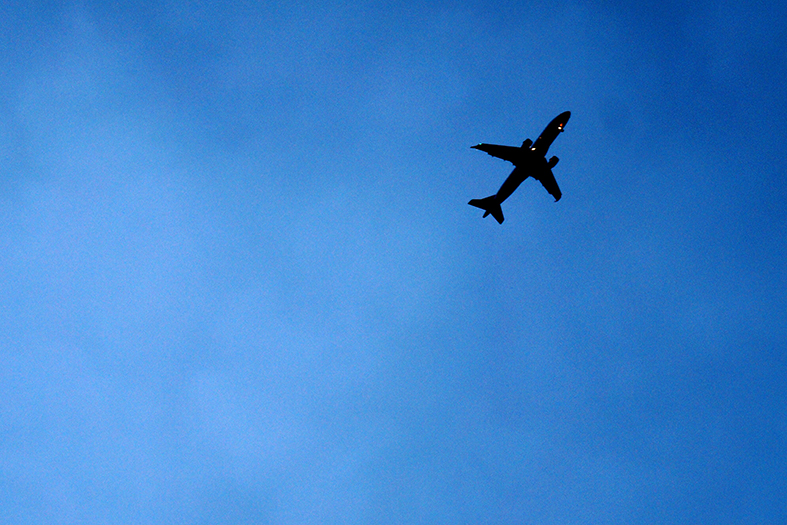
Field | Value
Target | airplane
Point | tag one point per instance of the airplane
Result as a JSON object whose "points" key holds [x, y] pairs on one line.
{"points": [[529, 160]]}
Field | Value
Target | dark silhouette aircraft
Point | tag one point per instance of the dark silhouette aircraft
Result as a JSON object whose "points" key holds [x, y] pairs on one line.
{"points": [[529, 161]]}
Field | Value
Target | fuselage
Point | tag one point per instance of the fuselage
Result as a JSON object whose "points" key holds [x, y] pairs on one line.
{"points": [[550, 133], [532, 157], [510, 185]]}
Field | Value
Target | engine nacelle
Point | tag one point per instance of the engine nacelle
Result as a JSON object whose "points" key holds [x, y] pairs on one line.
{"points": [[553, 162], [527, 143]]}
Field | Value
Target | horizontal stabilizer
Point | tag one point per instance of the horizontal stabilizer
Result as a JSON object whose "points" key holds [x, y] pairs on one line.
{"points": [[490, 206]]}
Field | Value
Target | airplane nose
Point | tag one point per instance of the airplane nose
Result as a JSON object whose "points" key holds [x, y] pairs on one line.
{"points": [[563, 119]]}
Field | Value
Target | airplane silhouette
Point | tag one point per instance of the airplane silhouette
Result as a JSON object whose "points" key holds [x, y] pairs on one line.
{"points": [[529, 161]]}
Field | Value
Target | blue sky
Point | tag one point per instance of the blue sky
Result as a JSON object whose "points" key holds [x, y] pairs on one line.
{"points": [[241, 283]]}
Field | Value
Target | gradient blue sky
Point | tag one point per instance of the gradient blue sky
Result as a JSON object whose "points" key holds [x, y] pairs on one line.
{"points": [[241, 283]]}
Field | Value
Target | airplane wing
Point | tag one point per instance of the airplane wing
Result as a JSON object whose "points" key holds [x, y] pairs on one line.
{"points": [[509, 153], [547, 180]]}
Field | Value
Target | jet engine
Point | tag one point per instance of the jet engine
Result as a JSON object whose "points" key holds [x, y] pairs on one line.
{"points": [[553, 162], [527, 143]]}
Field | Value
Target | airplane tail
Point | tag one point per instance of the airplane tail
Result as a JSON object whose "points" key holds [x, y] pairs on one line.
{"points": [[489, 205]]}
